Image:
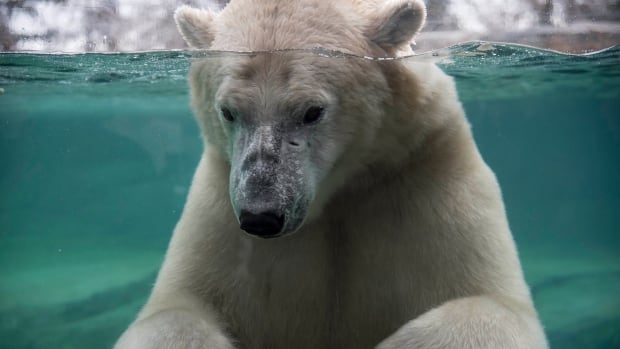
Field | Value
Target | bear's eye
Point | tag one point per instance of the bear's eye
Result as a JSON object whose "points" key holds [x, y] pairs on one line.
{"points": [[227, 114], [313, 114]]}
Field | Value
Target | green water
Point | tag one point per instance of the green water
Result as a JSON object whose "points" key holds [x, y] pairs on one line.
{"points": [[97, 152]]}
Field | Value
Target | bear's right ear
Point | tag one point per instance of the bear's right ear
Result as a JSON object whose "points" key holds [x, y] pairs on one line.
{"points": [[394, 26], [195, 26]]}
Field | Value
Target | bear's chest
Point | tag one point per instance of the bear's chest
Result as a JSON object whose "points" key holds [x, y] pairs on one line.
{"points": [[312, 295]]}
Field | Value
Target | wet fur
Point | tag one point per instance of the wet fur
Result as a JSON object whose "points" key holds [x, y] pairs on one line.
{"points": [[406, 244]]}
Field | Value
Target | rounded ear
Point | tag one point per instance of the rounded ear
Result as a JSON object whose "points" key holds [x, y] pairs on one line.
{"points": [[397, 24], [195, 26]]}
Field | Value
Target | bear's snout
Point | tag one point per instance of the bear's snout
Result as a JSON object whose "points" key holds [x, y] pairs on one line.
{"points": [[270, 185], [267, 224]]}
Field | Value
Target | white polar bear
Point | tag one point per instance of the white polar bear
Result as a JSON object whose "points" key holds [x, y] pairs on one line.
{"points": [[370, 219]]}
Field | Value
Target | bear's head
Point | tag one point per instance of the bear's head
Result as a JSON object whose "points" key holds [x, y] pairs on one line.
{"points": [[285, 118]]}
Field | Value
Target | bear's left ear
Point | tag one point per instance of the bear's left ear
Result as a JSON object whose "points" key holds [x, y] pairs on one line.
{"points": [[195, 26], [397, 24]]}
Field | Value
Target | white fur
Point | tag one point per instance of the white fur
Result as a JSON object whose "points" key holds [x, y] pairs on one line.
{"points": [[406, 244]]}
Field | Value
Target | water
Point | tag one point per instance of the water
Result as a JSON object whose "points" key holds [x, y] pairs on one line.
{"points": [[97, 152]]}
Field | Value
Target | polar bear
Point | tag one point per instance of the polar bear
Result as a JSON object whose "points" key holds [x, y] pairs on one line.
{"points": [[340, 202]]}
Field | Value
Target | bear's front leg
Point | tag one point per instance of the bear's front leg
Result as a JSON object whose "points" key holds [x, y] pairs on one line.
{"points": [[471, 323], [172, 329]]}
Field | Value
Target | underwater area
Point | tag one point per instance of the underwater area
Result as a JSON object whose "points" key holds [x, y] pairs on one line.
{"points": [[98, 151]]}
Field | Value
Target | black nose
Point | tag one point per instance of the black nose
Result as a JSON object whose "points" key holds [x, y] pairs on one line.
{"points": [[265, 224]]}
